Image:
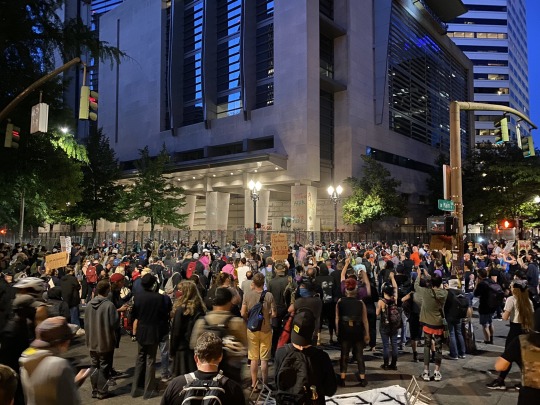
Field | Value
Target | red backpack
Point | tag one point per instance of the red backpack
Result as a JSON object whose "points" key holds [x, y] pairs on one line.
{"points": [[191, 269], [91, 274]]}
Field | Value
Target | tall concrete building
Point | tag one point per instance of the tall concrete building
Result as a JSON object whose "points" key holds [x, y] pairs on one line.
{"points": [[493, 35], [287, 93]]}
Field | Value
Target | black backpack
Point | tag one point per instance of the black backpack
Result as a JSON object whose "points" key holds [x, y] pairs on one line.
{"points": [[460, 306], [292, 379], [495, 296], [203, 392]]}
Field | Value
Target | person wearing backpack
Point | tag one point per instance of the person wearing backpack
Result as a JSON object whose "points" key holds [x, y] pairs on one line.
{"points": [[487, 305], [208, 384], [352, 329], [230, 328], [433, 299], [389, 326], [259, 305], [304, 374], [456, 308]]}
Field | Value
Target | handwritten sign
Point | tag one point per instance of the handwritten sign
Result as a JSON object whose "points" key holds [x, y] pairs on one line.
{"points": [[280, 249], [56, 260]]}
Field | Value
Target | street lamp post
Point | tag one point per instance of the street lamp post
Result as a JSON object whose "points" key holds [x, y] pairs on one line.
{"points": [[255, 188], [335, 197]]}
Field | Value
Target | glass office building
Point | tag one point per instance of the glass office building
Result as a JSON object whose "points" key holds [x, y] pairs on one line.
{"points": [[493, 34], [287, 93]]}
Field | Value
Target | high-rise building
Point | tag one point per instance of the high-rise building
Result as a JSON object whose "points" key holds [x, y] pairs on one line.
{"points": [[493, 35], [287, 93]]}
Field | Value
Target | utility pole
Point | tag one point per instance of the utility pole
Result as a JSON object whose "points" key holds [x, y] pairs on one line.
{"points": [[456, 171]]}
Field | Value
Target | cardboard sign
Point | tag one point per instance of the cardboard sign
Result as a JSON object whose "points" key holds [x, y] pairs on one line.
{"points": [[524, 245], [280, 248], [56, 260]]}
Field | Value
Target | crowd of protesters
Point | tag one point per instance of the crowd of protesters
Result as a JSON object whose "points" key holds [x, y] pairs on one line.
{"points": [[168, 296]]}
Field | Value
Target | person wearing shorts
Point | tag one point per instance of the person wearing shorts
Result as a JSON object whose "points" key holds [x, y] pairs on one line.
{"points": [[260, 342], [485, 312]]}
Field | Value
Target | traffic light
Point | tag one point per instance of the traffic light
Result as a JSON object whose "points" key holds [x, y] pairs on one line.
{"points": [[12, 136], [501, 131], [507, 224], [527, 146], [88, 104]]}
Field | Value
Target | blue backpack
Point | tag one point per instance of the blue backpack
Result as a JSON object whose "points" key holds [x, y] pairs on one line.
{"points": [[255, 315]]}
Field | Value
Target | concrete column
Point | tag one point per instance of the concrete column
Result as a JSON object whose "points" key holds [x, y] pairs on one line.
{"points": [[217, 210], [189, 208], [304, 207]]}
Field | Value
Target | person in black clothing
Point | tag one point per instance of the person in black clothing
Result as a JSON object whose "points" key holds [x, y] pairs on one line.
{"points": [[70, 294], [486, 313], [353, 330], [208, 355], [56, 305], [149, 312], [277, 287], [407, 264], [326, 282], [322, 376]]}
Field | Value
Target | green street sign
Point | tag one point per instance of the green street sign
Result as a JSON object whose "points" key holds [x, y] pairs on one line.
{"points": [[446, 205]]}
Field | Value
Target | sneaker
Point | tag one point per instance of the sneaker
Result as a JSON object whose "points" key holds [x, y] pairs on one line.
{"points": [[517, 387], [363, 382], [166, 378], [111, 382], [437, 376], [496, 385], [425, 376], [462, 356], [384, 366], [451, 358]]}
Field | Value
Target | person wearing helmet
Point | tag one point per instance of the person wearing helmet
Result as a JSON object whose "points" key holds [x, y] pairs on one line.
{"points": [[35, 288]]}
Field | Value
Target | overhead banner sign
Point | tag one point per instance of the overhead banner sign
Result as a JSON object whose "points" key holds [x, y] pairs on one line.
{"points": [[280, 248], [56, 260]]}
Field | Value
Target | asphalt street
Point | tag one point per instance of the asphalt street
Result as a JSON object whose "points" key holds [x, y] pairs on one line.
{"points": [[463, 380]]}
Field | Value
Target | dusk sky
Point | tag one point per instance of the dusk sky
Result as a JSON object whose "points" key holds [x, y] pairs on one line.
{"points": [[533, 27]]}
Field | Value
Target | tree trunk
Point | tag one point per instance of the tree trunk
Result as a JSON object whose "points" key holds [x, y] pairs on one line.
{"points": [[152, 228]]}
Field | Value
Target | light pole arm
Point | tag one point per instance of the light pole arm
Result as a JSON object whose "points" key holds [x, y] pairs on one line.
{"points": [[4, 113], [467, 105]]}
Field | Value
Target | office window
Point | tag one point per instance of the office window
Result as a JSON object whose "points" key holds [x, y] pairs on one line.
{"points": [[327, 125], [193, 73], [229, 19], [264, 95], [327, 56], [326, 7], [423, 79]]}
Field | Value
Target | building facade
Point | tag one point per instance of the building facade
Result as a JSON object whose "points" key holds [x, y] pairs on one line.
{"points": [[287, 93], [493, 34]]}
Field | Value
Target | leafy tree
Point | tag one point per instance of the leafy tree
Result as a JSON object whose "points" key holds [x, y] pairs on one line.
{"points": [[100, 190], [374, 196], [46, 169], [152, 195], [498, 182], [48, 178]]}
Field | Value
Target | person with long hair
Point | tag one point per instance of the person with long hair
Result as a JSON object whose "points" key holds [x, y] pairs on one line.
{"points": [[186, 310], [519, 310], [352, 329]]}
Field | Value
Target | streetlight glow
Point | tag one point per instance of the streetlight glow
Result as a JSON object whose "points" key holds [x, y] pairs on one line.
{"points": [[537, 199], [64, 130]]}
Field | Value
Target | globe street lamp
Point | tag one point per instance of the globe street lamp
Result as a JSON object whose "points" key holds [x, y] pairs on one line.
{"points": [[334, 196], [255, 188]]}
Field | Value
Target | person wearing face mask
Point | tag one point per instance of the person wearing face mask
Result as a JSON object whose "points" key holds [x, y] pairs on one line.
{"points": [[307, 299]]}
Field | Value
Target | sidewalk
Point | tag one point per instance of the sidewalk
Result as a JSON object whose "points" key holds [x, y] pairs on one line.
{"points": [[463, 380]]}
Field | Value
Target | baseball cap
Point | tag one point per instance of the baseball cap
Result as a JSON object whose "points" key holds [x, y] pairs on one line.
{"points": [[303, 328], [195, 255], [51, 331], [116, 277]]}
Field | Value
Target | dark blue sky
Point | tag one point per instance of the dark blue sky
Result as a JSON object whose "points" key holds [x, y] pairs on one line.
{"points": [[533, 40]]}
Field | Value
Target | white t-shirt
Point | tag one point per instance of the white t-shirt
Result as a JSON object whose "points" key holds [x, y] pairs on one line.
{"points": [[511, 307], [242, 270]]}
